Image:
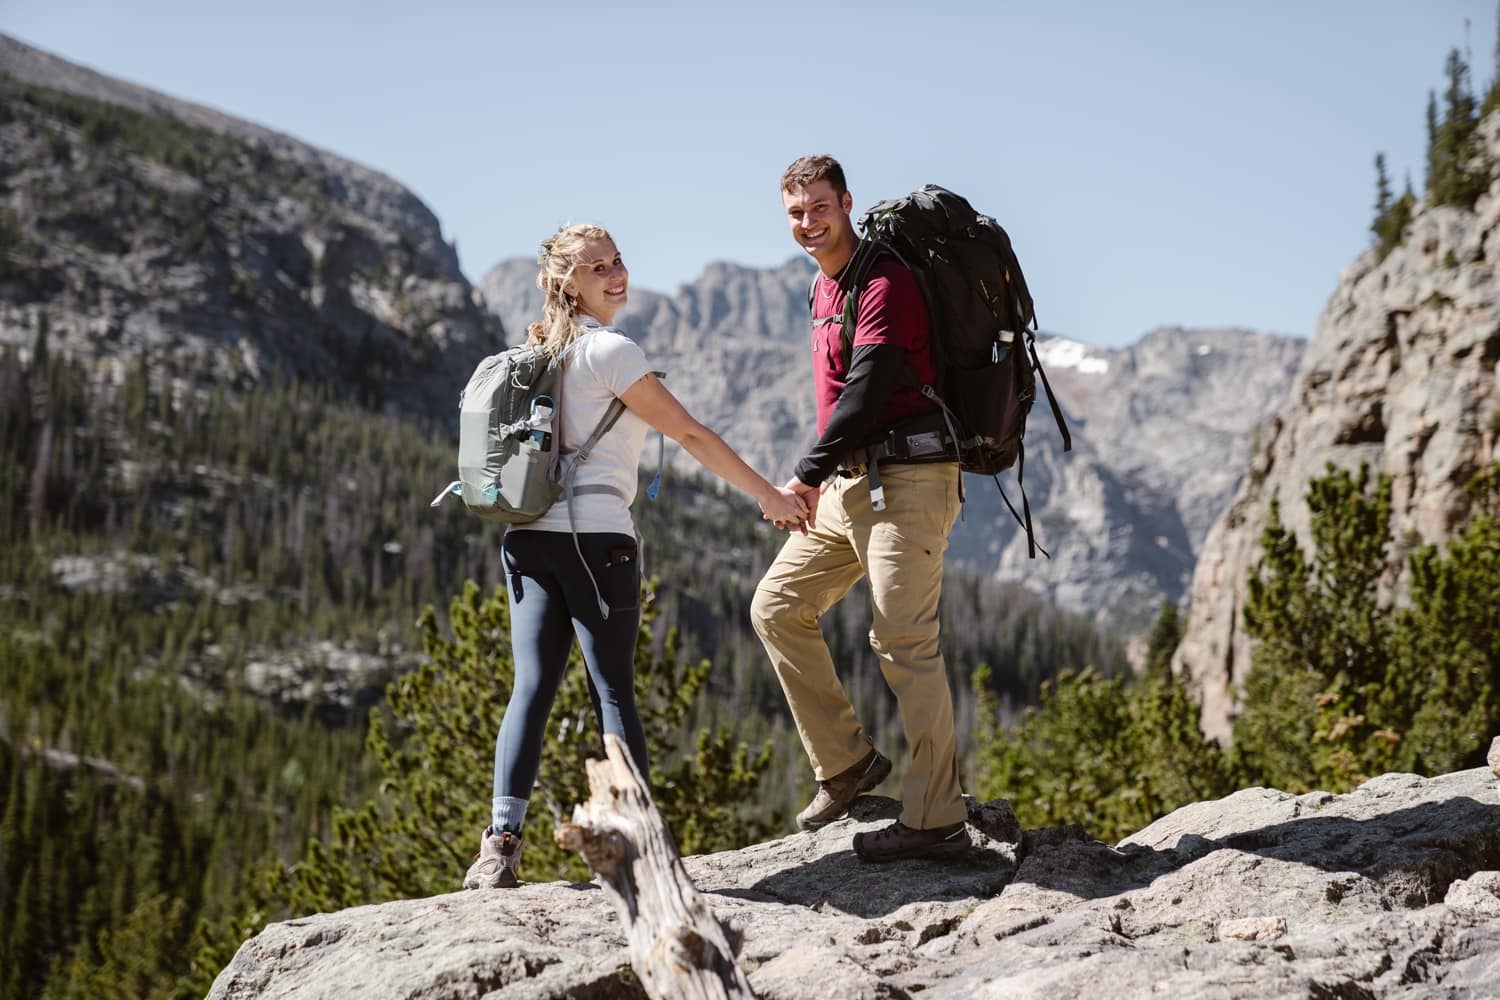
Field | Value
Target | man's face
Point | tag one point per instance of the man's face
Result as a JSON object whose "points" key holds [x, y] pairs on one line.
{"points": [[819, 219]]}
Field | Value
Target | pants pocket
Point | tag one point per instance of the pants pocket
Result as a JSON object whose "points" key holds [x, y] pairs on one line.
{"points": [[620, 576], [511, 568]]}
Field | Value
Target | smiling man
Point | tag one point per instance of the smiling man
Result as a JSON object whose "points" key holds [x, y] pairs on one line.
{"points": [[879, 512]]}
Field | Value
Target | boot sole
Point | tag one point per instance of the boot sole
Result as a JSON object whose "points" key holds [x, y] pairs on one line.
{"points": [[877, 773]]}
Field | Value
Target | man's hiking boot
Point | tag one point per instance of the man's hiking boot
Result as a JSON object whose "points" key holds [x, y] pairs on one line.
{"points": [[498, 862], [899, 841], [835, 794]]}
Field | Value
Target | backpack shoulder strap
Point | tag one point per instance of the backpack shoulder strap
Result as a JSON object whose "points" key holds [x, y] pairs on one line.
{"points": [[611, 415], [865, 255], [812, 299]]}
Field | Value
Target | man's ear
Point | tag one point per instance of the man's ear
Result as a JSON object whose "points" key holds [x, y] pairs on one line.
{"points": [[847, 202]]}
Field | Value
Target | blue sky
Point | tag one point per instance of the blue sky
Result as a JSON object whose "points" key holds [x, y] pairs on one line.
{"points": [[1155, 162]]}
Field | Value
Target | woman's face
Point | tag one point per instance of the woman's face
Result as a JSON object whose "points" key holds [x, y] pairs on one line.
{"points": [[599, 281]]}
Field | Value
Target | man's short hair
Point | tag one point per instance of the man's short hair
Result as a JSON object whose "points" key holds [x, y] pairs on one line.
{"points": [[809, 170]]}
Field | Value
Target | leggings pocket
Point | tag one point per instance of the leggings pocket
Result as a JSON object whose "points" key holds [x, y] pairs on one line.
{"points": [[619, 574]]}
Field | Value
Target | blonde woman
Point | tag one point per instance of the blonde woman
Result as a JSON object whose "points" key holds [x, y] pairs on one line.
{"points": [[553, 599]]}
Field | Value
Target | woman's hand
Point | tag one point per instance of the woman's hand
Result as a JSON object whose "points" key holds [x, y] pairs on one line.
{"points": [[784, 508]]}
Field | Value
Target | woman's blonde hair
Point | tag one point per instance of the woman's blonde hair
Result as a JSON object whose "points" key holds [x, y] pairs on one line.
{"points": [[560, 257]]}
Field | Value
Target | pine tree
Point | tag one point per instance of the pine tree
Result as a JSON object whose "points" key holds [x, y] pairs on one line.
{"points": [[1345, 685], [1391, 215], [1432, 137], [1166, 635], [1444, 693], [1458, 172], [1107, 753], [1322, 640], [1382, 191], [1492, 96]]}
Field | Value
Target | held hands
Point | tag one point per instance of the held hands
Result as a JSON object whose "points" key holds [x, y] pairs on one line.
{"points": [[785, 509], [808, 495]]}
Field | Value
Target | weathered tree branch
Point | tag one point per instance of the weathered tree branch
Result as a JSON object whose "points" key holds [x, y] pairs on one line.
{"points": [[677, 946]]}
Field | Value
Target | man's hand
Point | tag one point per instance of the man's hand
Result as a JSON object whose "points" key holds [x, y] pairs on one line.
{"points": [[809, 495], [782, 507]]}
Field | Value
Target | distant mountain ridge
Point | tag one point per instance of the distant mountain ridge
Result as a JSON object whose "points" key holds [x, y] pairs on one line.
{"points": [[133, 222], [1162, 428]]}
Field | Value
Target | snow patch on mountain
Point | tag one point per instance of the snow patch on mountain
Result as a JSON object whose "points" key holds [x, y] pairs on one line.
{"points": [[1059, 352]]}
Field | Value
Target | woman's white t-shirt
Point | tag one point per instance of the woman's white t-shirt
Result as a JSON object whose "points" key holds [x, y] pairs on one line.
{"points": [[599, 366]]}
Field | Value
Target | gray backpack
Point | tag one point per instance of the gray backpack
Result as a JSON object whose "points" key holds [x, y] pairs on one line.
{"points": [[511, 463]]}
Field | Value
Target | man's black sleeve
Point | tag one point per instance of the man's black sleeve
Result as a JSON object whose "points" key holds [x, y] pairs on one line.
{"points": [[873, 373]]}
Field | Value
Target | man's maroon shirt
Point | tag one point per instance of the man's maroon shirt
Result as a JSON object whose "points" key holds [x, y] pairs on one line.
{"points": [[891, 311]]}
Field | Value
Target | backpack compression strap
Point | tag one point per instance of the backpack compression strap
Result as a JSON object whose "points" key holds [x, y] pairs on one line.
{"points": [[1036, 366]]}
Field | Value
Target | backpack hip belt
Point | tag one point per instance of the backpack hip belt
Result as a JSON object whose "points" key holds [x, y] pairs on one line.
{"points": [[921, 439]]}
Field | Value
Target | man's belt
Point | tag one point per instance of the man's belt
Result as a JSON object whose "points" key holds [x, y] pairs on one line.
{"points": [[925, 439]]}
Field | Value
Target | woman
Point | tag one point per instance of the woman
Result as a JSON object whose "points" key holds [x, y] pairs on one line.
{"points": [[553, 594]]}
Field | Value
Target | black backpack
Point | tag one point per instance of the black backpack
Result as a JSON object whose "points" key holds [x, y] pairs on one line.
{"points": [[982, 325]]}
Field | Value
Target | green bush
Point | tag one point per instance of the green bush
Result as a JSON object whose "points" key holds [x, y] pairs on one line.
{"points": [[1344, 683], [1109, 753]]}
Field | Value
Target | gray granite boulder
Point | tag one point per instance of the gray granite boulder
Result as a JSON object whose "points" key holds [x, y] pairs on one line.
{"points": [[1392, 890]]}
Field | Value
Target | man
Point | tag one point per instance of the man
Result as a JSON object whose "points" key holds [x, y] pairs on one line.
{"points": [[867, 408]]}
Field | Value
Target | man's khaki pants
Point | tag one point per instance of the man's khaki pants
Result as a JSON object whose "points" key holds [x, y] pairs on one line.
{"points": [[901, 550]]}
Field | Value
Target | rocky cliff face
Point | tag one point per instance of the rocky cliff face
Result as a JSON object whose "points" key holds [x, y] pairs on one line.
{"points": [[132, 223], [1161, 428], [1389, 891], [1400, 373]]}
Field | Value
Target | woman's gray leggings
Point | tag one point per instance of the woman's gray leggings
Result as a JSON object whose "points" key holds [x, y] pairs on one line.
{"points": [[552, 601]]}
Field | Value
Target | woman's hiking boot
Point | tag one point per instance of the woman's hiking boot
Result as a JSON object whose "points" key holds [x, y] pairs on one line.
{"points": [[899, 841], [498, 863], [835, 794]]}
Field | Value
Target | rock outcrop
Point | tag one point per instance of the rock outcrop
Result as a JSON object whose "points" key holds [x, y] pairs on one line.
{"points": [[140, 228], [1162, 428], [1400, 374], [1392, 890]]}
